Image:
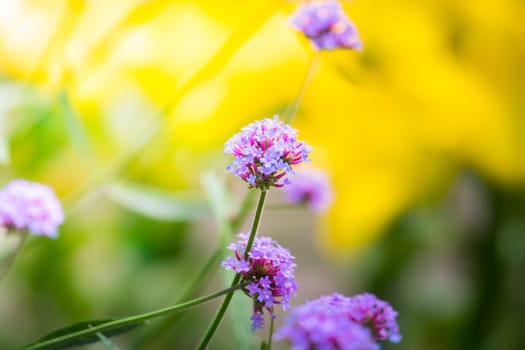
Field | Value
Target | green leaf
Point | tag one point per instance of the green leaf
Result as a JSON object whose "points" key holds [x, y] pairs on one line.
{"points": [[264, 346], [157, 203], [75, 130], [218, 196], [81, 340]]}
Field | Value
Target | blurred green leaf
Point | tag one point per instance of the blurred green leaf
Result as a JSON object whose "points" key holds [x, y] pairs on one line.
{"points": [[157, 203], [218, 196], [86, 339], [75, 130]]}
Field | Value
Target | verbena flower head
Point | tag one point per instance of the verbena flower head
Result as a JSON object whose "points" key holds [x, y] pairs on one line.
{"points": [[32, 206], [367, 310], [323, 324], [312, 187], [265, 152], [326, 25], [336, 322], [268, 272]]}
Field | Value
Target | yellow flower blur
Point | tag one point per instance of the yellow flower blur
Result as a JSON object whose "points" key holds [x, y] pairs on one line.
{"points": [[439, 87]]}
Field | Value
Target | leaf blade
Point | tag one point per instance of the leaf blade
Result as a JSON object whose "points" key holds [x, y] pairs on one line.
{"points": [[155, 203], [65, 343]]}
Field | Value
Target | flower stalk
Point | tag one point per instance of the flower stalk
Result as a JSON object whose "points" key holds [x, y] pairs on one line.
{"points": [[235, 282], [132, 320]]}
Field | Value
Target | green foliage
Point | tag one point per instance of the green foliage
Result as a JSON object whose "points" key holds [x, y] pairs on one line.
{"points": [[156, 203], [57, 340]]}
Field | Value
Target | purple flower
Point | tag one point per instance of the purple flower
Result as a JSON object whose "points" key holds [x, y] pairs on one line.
{"points": [[323, 324], [270, 278], [326, 25], [311, 187], [32, 206], [264, 153], [337, 322]]}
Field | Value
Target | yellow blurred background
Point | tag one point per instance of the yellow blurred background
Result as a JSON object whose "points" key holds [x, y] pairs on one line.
{"points": [[439, 87]]}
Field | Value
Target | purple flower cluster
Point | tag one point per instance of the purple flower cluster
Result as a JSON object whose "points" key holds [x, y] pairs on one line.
{"points": [[32, 206], [336, 322], [264, 153], [312, 187], [326, 25], [268, 273]]}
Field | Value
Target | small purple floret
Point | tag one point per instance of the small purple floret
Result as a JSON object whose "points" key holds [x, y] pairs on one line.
{"points": [[336, 322], [32, 206], [311, 187], [326, 25], [265, 152], [270, 276]]}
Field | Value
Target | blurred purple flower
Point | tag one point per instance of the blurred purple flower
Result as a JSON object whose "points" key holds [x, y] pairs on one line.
{"points": [[367, 310], [337, 322], [32, 206], [323, 324], [312, 187], [326, 25], [268, 272], [264, 153]]}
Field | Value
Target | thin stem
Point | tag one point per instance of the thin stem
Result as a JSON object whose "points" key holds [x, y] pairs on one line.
{"points": [[6, 266], [218, 316], [132, 319], [270, 335], [226, 302], [108, 343], [256, 221], [291, 111]]}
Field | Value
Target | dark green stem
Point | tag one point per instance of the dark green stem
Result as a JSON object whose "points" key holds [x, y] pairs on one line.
{"points": [[130, 320], [270, 335], [226, 302]]}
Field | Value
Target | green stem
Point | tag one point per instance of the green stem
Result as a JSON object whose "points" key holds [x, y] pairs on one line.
{"points": [[6, 265], [291, 111], [131, 320], [256, 221], [270, 335], [226, 302]]}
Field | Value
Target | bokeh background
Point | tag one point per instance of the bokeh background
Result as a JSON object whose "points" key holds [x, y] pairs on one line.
{"points": [[123, 106]]}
